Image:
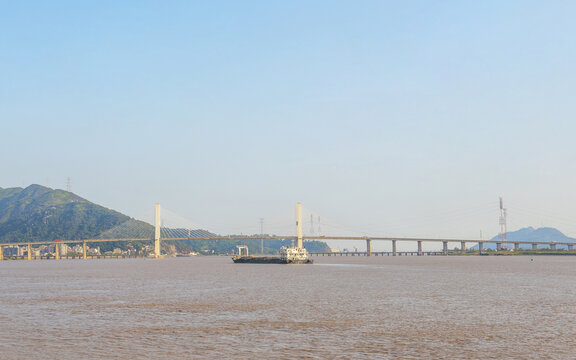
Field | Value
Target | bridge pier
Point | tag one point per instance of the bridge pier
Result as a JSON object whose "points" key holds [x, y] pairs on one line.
{"points": [[552, 246], [57, 247], [394, 248], [516, 246], [1, 253], [498, 246], [444, 248], [419, 247], [534, 246], [84, 250], [463, 247], [29, 246], [480, 247], [368, 247], [570, 247]]}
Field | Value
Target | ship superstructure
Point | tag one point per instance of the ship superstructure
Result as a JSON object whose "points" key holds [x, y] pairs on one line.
{"points": [[294, 255]]}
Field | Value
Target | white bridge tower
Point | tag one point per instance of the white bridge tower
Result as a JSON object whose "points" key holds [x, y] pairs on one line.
{"points": [[157, 225], [299, 225]]}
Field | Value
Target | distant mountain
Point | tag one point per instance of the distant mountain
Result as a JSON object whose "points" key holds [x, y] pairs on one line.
{"points": [[545, 234]]}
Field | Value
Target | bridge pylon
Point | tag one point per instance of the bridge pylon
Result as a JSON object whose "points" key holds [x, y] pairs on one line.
{"points": [[299, 244], [157, 225]]}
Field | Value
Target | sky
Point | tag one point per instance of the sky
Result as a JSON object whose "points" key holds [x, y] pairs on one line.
{"points": [[391, 118]]}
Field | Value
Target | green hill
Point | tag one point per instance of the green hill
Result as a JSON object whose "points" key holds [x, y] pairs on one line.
{"points": [[38, 213]]}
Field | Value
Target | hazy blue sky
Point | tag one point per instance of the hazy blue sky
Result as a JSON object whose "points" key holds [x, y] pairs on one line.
{"points": [[401, 118]]}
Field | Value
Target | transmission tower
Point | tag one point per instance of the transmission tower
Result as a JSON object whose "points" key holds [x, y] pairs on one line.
{"points": [[311, 224], [69, 184], [262, 234]]}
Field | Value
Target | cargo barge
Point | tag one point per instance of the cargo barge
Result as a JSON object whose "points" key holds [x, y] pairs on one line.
{"points": [[251, 259], [287, 255]]}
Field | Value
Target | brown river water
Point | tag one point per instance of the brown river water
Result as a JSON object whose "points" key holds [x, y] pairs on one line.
{"points": [[338, 308]]}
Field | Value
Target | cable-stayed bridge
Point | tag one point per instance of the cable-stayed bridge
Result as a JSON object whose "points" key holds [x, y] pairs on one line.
{"points": [[182, 230]]}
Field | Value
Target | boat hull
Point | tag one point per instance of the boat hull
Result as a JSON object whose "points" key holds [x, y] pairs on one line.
{"points": [[267, 260]]}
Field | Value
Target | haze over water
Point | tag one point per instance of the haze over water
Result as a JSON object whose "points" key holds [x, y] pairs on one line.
{"points": [[338, 308]]}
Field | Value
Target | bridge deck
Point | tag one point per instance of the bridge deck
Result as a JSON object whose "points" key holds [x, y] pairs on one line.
{"points": [[63, 241]]}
